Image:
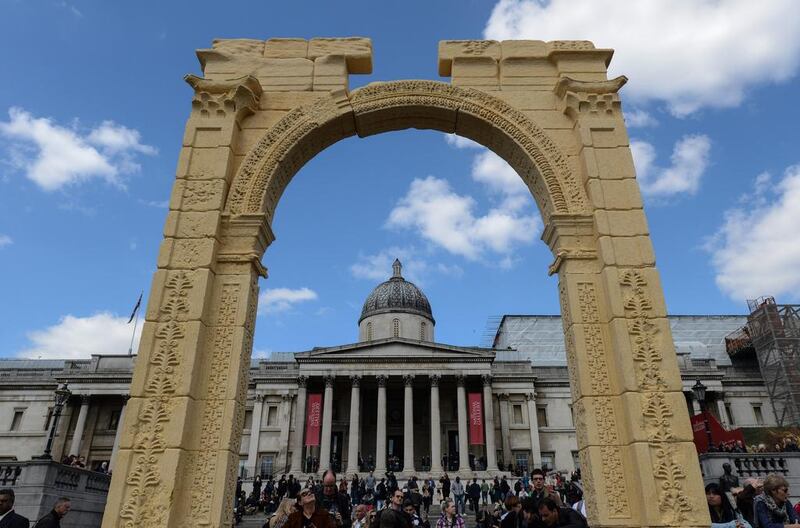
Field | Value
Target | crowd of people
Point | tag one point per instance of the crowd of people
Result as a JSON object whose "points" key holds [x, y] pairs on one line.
{"points": [[535, 500], [787, 445]]}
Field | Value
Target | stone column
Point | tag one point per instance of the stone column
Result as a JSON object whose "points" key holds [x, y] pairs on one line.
{"points": [[119, 431], [723, 416], [505, 430], [77, 436], [436, 427], [255, 434], [533, 422], [488, 415], [327, 420], [354, 439], [463, 445], [408, 425], [299, 426], [380, 438], [285, 416]]}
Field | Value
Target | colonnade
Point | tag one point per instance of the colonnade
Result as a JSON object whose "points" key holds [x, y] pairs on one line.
{"points": [[354, 433]]}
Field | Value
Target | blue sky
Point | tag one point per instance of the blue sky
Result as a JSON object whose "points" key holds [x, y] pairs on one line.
{"points": [[93, 105]]}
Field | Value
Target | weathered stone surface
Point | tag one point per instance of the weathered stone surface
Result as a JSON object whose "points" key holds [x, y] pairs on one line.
{"points": [[548, 110]]}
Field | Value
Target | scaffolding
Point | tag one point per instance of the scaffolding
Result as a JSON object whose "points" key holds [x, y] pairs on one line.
{"points": [[774, 331]]}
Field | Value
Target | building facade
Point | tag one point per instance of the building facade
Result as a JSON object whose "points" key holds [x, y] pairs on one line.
{"points": [[396, 399]]}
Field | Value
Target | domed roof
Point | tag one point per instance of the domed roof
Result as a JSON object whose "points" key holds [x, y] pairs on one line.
{"points": [[396, 295]]}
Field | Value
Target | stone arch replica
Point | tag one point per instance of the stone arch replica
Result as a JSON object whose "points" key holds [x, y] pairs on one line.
{"points": [[264, 109]]}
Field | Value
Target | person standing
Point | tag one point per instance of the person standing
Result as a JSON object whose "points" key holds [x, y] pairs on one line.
{"points": [[360, 516], [458, 495], [8, 517], [394, 516], [381, 493], [445, 481], [336, 503], [53, 519], [450, 517], [484, 492], [474, 494], [427, 497], [309, 514]]}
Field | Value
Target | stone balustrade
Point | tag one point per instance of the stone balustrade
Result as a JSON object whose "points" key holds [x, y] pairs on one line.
{"points": [[754, 465], [38, 483]]}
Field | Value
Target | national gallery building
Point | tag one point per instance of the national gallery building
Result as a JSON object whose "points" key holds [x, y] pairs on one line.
{"points": [[395, 399]]}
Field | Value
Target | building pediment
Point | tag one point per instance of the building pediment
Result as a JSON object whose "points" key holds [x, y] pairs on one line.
{"points": [[396, 350]]}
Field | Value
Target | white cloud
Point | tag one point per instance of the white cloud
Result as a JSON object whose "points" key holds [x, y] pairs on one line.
{"points": [[447, 219], [688, 53], [636, 118], [690, 158], [756, 251], [493, 171], [5, 240], [460, 142], [283, 299], [80, 337], [54, 156]]}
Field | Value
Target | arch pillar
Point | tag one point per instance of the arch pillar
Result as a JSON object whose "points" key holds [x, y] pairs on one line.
{"points": [[179, 449]]}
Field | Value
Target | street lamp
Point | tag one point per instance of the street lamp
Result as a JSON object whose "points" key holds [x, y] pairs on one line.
{"points": [[699, 391], [62, 395]]}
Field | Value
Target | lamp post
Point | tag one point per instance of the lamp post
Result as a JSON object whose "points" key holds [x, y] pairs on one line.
{"points": [[62, 395], [699, 391]]}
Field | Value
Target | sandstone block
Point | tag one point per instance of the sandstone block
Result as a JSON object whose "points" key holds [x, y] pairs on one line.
{"points": [[621, 223], [197, 195], [527, 68], [187, 253], [286, 48], [523, 49], [191, 224], [204, 163], [185, 340], [614, 194], [239, 46], [179, 295], [450, 49], [626, 251], [356, 50], [610, 163]]}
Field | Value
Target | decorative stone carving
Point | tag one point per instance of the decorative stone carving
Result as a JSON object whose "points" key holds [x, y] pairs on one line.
{"points": [[595, 98], [147, 499], [355, 381], [236, 97], [434, 379], [302, 380], [329, 381], [460, 379], [593, 338], [265, 172], [408, 380], [381, 380], [486, 379], [673, 501]]}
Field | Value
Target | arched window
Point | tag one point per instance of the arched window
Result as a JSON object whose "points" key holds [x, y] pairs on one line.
{"points": [[395, 327], [369, 331], [422, 327]]}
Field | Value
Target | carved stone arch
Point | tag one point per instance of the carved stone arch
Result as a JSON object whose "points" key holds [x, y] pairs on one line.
{"points": [[382, 107]]}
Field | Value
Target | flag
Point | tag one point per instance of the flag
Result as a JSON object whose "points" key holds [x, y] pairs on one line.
{"points": [[136, 308]]}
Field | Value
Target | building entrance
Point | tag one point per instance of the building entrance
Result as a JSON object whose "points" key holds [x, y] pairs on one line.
{"points": [[394, 453]]}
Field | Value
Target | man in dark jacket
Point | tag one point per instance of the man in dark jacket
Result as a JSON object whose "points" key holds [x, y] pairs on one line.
{"points": [[53, 519], [336, 503], [474, 494], [394, 516], [8, 517], [554, 516]]}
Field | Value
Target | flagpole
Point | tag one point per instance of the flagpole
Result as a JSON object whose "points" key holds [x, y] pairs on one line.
{"points": [[133, 335], [135, 323]]}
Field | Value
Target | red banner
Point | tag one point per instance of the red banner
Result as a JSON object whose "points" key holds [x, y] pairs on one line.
{"points": [[475, 418], [313, 419], [719, 434]]}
